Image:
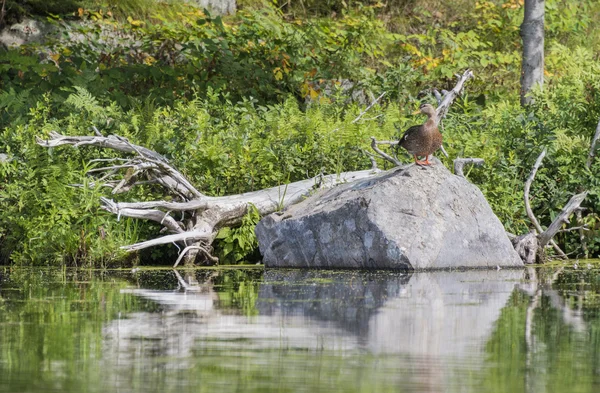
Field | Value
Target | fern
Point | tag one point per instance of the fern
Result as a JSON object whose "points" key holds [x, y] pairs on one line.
{"points": [[13, 101], [84, 100]]}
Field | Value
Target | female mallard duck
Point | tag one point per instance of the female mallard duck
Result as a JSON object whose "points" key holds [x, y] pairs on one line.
{"points": [[423, 140]]}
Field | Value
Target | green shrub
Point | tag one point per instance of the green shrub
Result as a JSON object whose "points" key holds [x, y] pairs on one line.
{"points": [[239, 104]]}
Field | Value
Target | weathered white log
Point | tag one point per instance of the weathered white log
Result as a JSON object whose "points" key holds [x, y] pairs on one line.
{"points": [[459, 164], [214, 213]]}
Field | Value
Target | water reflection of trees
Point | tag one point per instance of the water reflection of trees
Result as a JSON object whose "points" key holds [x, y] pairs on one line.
{"points": [[496, 331], [547, 338]]}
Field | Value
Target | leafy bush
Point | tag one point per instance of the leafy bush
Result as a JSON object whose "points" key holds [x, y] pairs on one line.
{"points": [[250, 101]]}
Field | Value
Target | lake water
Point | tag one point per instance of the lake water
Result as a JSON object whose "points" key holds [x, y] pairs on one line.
{"points": [[250, 330]]}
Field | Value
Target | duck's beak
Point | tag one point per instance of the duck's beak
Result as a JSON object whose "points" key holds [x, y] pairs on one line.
{"points": [[416, 112]]}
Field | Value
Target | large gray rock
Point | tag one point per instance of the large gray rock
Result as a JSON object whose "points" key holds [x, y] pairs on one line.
{"points": [[406, 218]]}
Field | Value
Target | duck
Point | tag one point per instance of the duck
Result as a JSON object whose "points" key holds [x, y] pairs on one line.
{"points": [[424, 139]]}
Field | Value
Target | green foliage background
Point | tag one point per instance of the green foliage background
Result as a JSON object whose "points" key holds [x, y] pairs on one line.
{"points": [[243, 102]]}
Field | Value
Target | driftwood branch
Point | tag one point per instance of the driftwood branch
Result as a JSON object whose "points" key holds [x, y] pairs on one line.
{"points": [[592, 153], [444, 103], [530, 214], [383, 155], [527, 247], [147, 160], [545, 236], [368, 108], [572, 229], [459, 164], [562, 218], [528, 182], [213, 213], [449, 96]]}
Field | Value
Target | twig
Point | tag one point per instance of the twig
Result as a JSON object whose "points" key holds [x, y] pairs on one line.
{"points": [[444, 151], [374, 118], [385, 156], [369, 107], [371, 157], [207, 254], [178, 237], [459, 164], [581, 228], [132, 165], [528, 182], [146, 214], [449, 96], [592, 152], [110, 159], [361, 114], [582, 238], [530, 214], [393, 143]]}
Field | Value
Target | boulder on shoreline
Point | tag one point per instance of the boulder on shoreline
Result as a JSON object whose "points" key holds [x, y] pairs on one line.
{"points": [[406, 218]]}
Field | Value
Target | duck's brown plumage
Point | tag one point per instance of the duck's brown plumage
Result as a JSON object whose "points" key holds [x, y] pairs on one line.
{"points": [[424, 139]]}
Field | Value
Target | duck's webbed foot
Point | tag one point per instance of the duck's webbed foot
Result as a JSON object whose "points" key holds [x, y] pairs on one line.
{"points": [[422, 163]]}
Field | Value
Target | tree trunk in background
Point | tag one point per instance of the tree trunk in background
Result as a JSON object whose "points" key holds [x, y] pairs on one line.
{"points": [[532, 33]]}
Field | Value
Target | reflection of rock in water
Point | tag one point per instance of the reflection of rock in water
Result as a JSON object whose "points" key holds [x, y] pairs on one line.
{"points": [[435, 314], [443, 313], [347, 298]]}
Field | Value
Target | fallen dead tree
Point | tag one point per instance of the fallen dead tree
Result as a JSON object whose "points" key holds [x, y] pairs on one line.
{"points": [[531, 246], [193, 219]]}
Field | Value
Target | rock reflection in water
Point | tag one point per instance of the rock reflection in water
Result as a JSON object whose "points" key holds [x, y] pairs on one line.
{"points": [[432, 314]]}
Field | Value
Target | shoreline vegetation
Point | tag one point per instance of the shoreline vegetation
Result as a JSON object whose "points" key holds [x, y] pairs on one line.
{"points": [[269, 96]]}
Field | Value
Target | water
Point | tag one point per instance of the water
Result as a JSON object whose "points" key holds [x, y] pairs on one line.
{"points": [[245, 330]]}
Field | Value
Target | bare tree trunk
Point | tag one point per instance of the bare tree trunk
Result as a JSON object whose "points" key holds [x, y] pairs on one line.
{"points": [[532, 33]]}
